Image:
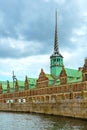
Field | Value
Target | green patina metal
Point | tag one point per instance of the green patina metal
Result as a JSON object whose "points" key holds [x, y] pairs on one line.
{"points": [[73, 76], [56, 63], [50, 78], [32, 85]]}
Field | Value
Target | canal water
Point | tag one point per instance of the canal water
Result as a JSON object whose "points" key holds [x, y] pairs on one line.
{"points": [[23, 121]]}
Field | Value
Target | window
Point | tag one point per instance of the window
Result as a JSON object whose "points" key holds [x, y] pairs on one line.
{"points": [[54, 60], [58, 59]]}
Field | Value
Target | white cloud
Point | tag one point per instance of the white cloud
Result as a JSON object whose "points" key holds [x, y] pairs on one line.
{"points": [[73, 39], [25, 23], [31, 66], [73, 59], [25, 66], [7, 74], [81, 31]]}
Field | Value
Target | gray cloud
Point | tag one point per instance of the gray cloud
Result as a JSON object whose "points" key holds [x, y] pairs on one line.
{"points": [[19, 48], [34, 21]]}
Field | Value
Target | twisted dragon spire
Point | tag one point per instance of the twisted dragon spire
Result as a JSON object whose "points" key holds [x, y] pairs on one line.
{"points": [[56, 49]]}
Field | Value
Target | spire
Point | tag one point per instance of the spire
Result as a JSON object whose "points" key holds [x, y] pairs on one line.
{"points": [[56, 51], [56, 59]]}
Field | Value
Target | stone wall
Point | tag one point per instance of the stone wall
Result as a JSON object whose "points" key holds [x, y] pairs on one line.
{"points": [[65, 100], [76, 108]]}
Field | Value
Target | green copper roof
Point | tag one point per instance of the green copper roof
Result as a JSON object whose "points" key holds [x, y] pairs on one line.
{"points": [[74, 80], [32, 83], [21, 83], [4, 85], [73, 73], [49, 76], [73, 76]]}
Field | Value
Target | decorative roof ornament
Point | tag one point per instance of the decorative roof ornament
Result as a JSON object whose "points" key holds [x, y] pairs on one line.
{"points": [[14, 78], [56, 50], [56, 46]]}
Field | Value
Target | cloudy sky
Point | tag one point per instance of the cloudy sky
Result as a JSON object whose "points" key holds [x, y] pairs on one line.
{"points": [[27, 35]]}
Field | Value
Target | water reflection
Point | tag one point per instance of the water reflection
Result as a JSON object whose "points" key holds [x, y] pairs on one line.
{"points": [[21, 121]]}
